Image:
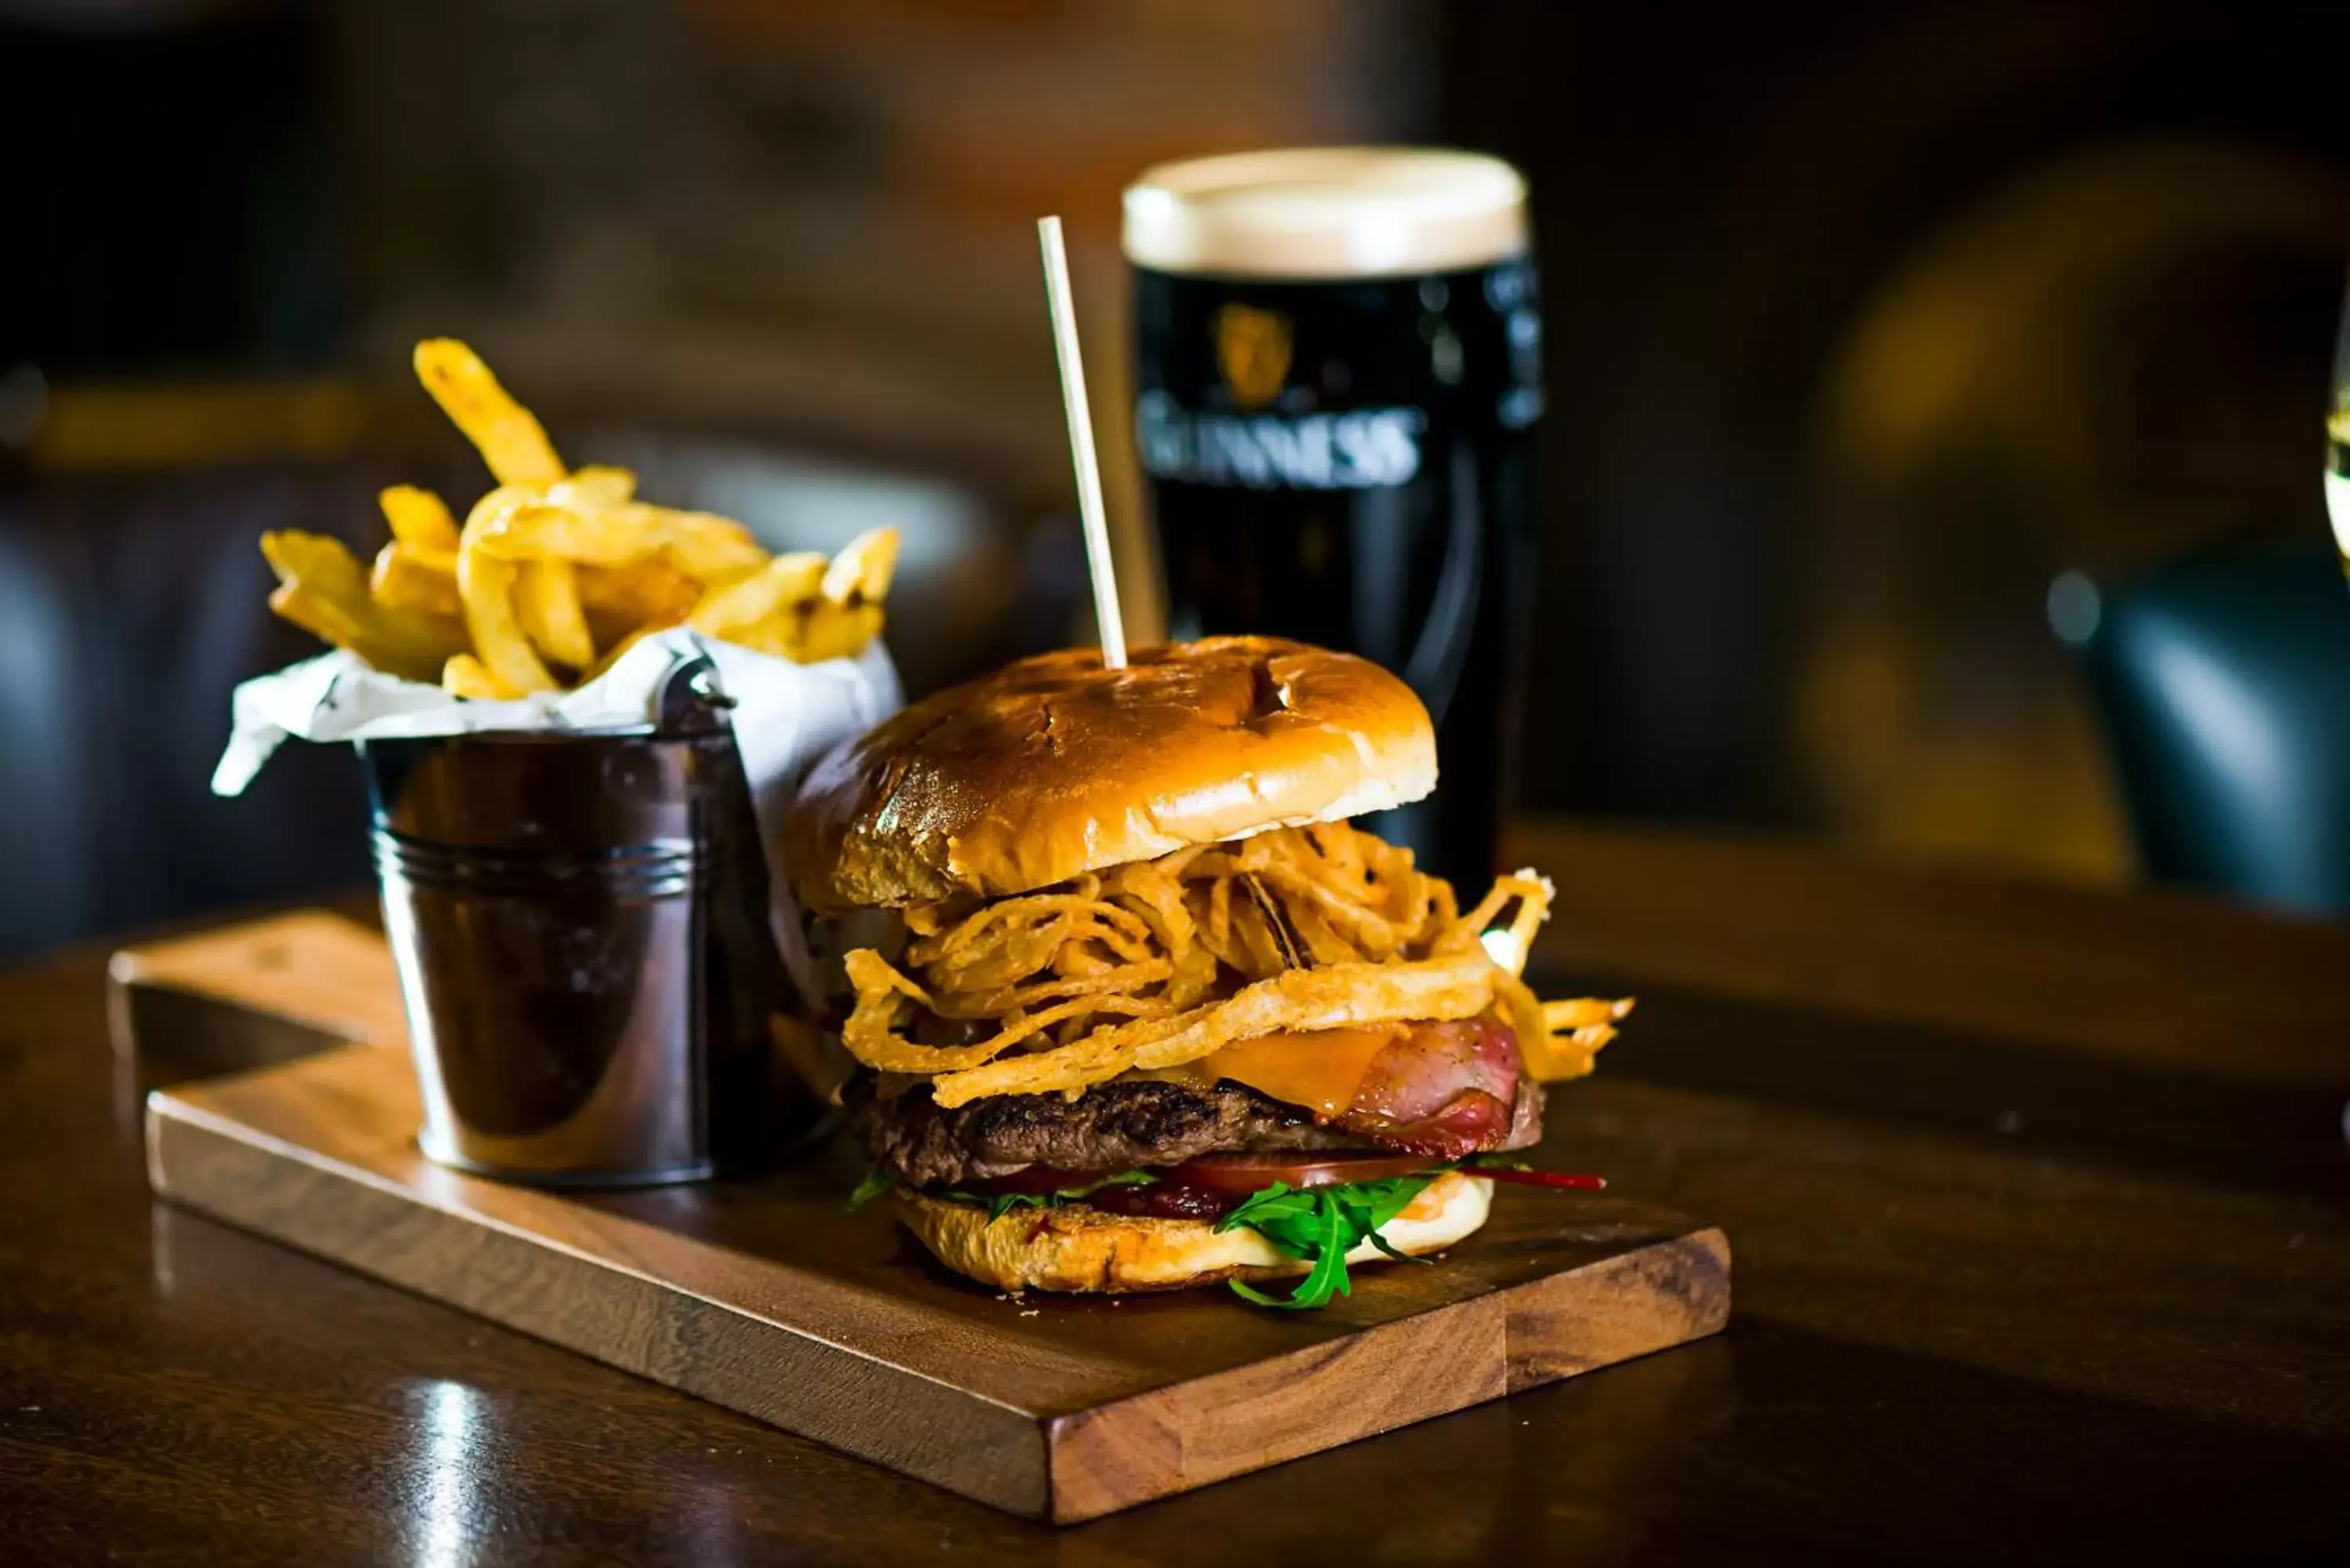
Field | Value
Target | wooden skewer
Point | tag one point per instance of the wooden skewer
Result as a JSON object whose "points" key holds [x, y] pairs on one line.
{"points": [[1081, 443]]}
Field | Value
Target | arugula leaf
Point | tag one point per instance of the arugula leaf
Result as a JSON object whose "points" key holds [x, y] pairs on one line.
{"points": [[877, 1182], [1377, 1208], [1123, 1178], [999, 1204], [1323, 1225]]}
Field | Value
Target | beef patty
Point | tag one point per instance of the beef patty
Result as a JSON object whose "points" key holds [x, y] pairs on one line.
{"points": [[1115, 1126]]}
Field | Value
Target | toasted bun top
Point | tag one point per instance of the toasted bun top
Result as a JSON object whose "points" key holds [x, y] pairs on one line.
{"points": [[1054, 766]]}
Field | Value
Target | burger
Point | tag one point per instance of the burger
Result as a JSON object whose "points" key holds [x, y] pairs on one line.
{"points": [[1137, 1006]]}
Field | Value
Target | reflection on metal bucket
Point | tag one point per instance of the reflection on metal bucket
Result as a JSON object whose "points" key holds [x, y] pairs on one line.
{"points": [[579, 920]]}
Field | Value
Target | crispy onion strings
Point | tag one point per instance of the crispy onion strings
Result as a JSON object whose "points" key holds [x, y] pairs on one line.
{"points": [[1296, 1000], [1162, 963]]}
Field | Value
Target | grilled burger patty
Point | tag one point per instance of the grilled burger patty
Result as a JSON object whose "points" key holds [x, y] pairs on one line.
{"points": [[1111, 1126], [1118, 1125]]}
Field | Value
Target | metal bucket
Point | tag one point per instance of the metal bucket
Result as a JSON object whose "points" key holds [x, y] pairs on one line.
{"points": [[579, 920]]}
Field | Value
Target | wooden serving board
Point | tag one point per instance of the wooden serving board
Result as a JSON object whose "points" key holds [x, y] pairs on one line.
{"points": [[770, 1298]]}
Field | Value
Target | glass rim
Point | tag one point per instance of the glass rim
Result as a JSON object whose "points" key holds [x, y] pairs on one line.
{"points": [[1327, 214]]}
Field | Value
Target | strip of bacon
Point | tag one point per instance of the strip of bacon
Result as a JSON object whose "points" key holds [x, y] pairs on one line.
{"points": [[1442, 1089]]}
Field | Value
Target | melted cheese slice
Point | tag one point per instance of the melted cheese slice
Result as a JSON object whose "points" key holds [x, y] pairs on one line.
{"points": [[1322, 1071]]}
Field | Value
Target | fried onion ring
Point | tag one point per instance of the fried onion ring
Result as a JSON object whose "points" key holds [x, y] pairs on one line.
{"points": [[1161, 962]]}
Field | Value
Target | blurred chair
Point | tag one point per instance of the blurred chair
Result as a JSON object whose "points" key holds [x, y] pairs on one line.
{"points": [[2224, 684], [130, 603]]}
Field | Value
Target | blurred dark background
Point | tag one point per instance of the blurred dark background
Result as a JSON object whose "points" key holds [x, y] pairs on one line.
{"points": [[1866, 324]]}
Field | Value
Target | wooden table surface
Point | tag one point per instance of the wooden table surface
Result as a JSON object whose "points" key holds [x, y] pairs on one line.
{"points": [[2038, 1198]]}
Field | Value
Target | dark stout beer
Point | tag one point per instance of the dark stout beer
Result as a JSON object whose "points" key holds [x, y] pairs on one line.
{"points": [[1337, 373]]}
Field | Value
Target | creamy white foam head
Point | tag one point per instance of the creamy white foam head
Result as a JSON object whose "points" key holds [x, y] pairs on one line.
{"points": [[1326, 213]]}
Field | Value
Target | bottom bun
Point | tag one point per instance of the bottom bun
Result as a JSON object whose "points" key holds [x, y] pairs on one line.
{"points": [[1077, 1247]]}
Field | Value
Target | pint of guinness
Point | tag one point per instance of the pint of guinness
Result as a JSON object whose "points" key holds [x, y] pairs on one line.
{"points": [[1338, 374]]}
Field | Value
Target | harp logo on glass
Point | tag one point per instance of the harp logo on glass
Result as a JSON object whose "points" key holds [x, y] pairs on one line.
{"points": [[1259, 448], [1253, 352]]}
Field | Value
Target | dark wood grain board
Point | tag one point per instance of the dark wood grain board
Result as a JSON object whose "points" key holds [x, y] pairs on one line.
{"points": [[770, 1298]]}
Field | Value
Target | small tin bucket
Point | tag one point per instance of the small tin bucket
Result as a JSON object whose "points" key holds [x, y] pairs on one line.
{"points": [[579, 921]]}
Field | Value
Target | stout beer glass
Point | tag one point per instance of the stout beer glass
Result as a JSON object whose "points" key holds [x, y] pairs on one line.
{"points": [[1338, 374]]}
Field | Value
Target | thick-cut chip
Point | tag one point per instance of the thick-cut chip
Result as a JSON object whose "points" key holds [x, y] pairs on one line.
{"points": [[552, 566], [812, 632], [860, 574], [464, 676], [507, 435], [735, 608], [593, 486], [626, 601], [412, 576], [529, 528], [419, 518], [486, 585], [547, 602], [700, 545], [346, 622], [492, 515], [774, 637], [323, 588], [703, 544], [832, 631]]}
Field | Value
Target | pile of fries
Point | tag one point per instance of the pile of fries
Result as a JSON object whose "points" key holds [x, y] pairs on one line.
{"points": [[1161, 963], [557, 572]]}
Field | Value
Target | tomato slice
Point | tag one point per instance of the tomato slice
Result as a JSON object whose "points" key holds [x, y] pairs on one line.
{"points": [[1247, 1173]]}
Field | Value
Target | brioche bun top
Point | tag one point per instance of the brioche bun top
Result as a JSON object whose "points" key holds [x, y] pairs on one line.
{"points": [[1054, 766]]}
